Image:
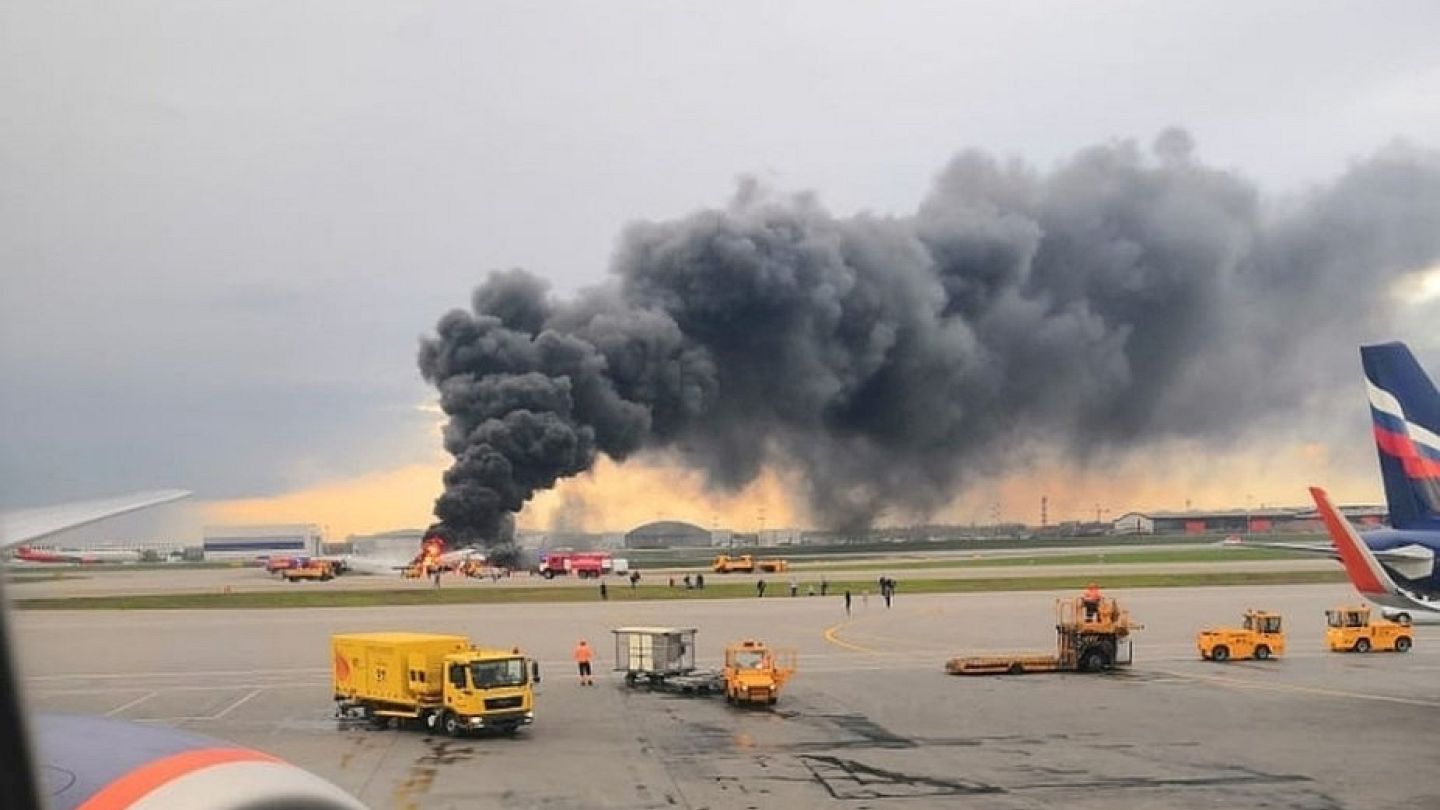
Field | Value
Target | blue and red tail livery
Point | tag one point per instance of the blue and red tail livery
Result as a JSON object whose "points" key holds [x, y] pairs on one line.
{"points": [[1405, 413]]}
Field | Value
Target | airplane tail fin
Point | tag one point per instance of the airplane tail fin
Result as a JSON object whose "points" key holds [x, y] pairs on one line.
{"points": [[1365, 572], [1405, 413]]}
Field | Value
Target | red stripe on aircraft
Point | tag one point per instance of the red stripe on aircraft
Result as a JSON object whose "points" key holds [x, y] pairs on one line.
{"points": [[1354, 559], [1403, 447], [142, 781]]}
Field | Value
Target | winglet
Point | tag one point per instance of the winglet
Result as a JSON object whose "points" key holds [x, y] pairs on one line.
{"points": [[1364, 570]]}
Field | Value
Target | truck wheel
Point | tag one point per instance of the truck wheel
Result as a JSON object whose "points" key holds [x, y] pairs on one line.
{"points": [[1262, 652], [1362, 645], [1220, 653], [1402, 644], [1094, 660], [1016, 669], [548, 574], [451, 725]]}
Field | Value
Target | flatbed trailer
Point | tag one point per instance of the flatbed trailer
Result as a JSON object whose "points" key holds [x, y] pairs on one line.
{"points": [[1002, 664], [1087, 639]]}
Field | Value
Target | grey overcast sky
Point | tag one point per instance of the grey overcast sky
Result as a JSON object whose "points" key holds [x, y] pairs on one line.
{"points": [[224, 225]]}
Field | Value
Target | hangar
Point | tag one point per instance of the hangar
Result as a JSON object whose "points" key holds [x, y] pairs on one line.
{"points": [[668, 534]]}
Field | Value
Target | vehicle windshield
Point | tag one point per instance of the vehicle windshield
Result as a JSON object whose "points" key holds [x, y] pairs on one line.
{"points": [[493, 674], [749, 659]]}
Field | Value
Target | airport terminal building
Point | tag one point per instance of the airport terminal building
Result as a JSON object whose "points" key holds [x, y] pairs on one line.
{"points": [[250, 542]]}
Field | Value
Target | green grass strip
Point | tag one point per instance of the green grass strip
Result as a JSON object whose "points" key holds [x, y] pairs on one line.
{"points": [[317, 596], [1180, 555]]}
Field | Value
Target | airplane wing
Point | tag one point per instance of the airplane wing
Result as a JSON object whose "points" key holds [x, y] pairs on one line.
{"points": [[96, 762], [1402, 556], [26, 525]]}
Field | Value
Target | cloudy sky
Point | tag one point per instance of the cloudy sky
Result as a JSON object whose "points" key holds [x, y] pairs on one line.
{"points": [[225, 226]]}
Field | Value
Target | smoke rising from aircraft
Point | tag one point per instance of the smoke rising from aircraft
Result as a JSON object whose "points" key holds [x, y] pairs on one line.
{"points": [[1126, 296]]}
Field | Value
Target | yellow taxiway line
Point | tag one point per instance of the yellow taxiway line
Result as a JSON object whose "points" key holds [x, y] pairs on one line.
{"points": [[832, 635]]}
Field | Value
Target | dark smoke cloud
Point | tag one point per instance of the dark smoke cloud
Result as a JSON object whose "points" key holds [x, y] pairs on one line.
{"points": [[1122, 298]]}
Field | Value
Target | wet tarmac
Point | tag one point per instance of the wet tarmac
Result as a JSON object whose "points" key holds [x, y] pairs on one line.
{"points": [[871, 720]]}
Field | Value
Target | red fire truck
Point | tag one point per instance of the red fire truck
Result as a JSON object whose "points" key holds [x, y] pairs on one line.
{"points": [[583, 564]]}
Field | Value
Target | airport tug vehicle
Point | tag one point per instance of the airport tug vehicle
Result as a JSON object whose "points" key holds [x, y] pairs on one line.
{"points": [[1350, 629], [439, 682], [1261, 636], [663, 659], [755, 673], [1089, 637]]}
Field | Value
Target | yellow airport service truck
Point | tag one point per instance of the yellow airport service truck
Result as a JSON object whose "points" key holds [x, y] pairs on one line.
{"points": [[314, 570], [1350, 629], [725, 564], [746, 564], [755, 673], [1260, 637], [439, 681], [1088, 638]]}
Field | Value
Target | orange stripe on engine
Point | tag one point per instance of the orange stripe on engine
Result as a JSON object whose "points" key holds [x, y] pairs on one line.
{"points": [[136, 784]]}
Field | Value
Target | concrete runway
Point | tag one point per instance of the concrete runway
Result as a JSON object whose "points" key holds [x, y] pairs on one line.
{"points": [[117, 581], [871, 720]]}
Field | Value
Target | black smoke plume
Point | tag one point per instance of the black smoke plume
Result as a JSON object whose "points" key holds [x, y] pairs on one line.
{"points": [[1124, 297]]}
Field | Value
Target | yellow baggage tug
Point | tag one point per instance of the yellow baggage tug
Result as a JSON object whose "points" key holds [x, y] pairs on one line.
{"points": [[1350, 629]]}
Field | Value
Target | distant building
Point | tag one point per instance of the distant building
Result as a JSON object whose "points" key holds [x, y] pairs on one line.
{"points": [[1240, 521], [668, 534], [249, 542], [387, 544]]}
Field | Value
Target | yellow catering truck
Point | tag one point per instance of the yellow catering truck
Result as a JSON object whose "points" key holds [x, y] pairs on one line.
{"points": [[440, 681]]}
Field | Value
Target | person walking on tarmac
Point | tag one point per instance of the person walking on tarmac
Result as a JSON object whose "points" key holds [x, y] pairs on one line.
{"points": [[760, 587], [1091, 600], [847, 601], [583, 656]]}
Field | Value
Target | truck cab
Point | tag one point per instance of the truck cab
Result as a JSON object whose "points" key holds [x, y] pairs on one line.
{"points": [[486, 689]]}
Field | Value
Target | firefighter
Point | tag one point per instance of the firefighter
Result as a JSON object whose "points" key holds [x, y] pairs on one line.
{"points": [[1091, 600], [583, 656]]}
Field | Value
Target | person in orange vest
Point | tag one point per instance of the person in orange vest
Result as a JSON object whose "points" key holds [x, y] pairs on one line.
{"points": [[583, 654], [1091, 599]]}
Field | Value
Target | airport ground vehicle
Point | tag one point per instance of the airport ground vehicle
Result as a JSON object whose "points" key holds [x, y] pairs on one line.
{"points": [[314, 570], [725, 564], [1086, 640], [583, 564], [439, 681], [745, 564], [274, 565], [663, 659], [755, 673], [1350, 629], [1260, 637]]}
